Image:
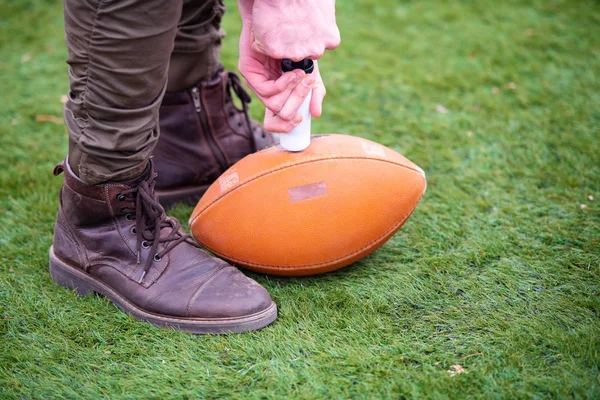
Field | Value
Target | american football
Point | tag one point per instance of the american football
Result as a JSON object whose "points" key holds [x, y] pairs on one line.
{"points": [[309, 212]]}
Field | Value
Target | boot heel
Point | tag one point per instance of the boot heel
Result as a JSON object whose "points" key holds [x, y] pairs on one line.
{"points": [[63, 277]]}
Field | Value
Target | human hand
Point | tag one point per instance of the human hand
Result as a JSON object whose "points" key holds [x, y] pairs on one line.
{"points": [[302, 29], [294, 29]]}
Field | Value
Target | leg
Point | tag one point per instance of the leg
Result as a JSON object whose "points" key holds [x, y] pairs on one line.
{"points": [[202, 132], [195, 56], [118, 57], [111, 235]]}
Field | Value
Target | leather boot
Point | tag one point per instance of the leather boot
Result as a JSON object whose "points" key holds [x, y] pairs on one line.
{"points": [[202, 133], [116, 240]]}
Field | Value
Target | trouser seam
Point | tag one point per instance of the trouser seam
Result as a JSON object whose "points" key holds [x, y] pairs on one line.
{"points": [[84, 101], [90, 63]]}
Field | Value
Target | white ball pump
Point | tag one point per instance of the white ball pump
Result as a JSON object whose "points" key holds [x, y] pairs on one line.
{"points": [[298, 138]]}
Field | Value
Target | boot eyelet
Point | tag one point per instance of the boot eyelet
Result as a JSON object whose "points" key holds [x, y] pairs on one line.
{"points": [[121, 197], [145, 244], [129, 217], [156, 258], [133, 230]]}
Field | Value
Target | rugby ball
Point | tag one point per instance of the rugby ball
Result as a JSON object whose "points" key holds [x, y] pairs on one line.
{"points": [[311, 212]]}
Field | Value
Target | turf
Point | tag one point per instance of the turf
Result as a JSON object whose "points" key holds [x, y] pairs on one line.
{"points": [[497, 271]]}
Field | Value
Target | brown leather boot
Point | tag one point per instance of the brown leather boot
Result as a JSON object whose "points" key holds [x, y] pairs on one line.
{"points": [[115, 239], [202, 133]]}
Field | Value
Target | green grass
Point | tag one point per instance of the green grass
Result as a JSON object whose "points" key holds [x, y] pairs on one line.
{"points": [[498, 270]]}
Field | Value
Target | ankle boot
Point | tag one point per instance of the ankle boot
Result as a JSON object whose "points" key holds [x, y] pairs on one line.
{"points": [[116, 240], [202, 133]]}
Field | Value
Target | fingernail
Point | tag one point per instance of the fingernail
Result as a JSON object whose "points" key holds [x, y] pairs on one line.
{"points": [[296, 78], [308, 82]]}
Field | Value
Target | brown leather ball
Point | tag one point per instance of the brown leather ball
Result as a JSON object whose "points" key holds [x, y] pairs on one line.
{"points": [[305, 213]]}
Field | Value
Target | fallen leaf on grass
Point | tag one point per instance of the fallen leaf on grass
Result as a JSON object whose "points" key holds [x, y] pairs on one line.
{"points": [[512, 86], [495, 90], [470, 133], [456, 370], [25, 57], [14, 122], [49, 118], [470, 355]]}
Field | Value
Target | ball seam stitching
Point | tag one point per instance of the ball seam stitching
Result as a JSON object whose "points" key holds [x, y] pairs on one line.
{"points": [[269, 172], [283, 267]]}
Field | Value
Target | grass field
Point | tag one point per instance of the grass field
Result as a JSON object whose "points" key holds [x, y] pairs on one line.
{"points": [[498, 270]]}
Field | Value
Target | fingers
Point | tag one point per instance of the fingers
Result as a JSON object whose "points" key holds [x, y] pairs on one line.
{"points": [[273, 123], [265, 87], [274, 94], [297, 96], [287, 119], [316, 101], [333, 41], [297, 51], [318, 93]]}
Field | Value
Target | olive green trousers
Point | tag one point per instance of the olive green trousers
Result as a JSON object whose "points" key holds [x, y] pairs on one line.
{"points": [[123, 56]]}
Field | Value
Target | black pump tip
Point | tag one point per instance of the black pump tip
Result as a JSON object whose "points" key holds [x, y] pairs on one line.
{"points": [[307, 65]]}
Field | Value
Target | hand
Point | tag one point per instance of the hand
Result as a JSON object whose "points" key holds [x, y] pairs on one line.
{"points": [[286, 119], [261, 66], [294, 29]]}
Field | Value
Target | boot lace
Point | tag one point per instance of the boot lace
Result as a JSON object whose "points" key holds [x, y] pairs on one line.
{"points": [[234, 83], [150, 220]]}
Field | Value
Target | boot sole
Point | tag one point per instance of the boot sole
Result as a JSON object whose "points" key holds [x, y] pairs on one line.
{"points": [[85, 284], [186, 195]]}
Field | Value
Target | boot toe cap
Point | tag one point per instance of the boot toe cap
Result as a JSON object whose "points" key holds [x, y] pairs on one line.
{"points": [[229, 294]]}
